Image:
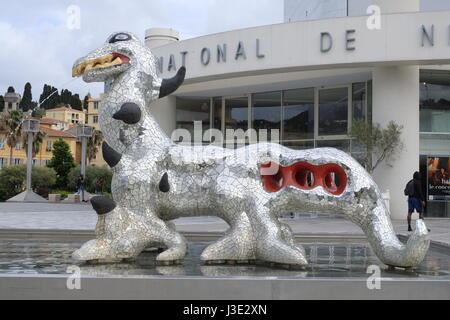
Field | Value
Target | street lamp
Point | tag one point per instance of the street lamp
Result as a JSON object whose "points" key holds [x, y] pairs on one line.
{"points": [[84, 132], [30, 126]]}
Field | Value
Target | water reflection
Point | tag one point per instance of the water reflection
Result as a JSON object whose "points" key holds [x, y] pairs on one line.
{"points": [[326, 260]]}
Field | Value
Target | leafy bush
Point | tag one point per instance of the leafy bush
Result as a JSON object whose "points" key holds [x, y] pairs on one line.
{"points": [[12, 181], [93, 173], [42, 180]]}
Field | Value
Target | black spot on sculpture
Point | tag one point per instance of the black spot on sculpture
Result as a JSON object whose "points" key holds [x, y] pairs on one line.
{"points": [[164, 183], [130, 113], [102, 205], [111, 157]]}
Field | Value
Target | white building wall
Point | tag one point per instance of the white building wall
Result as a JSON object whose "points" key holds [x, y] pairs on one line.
{"points": [[396, 98]]}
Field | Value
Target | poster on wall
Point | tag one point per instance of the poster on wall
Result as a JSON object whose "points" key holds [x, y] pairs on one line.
{"points": [[438, 178]]}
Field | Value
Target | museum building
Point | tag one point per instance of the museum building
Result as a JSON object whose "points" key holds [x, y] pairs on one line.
{"points": [[312, 76]]}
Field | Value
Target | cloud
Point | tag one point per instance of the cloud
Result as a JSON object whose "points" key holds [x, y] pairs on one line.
{"points": [[38, 47]]}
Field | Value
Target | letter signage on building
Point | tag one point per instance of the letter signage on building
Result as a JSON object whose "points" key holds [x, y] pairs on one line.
{"points": [[438, 178]]}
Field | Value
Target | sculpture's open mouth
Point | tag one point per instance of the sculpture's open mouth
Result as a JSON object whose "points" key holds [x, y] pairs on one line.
{"points": [[110, 60], [331, 177]]}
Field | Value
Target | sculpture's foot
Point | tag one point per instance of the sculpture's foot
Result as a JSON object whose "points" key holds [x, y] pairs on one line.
{"points": [[288, 236], [101, 251], [277, 251], [238, 244], [174, 255]]}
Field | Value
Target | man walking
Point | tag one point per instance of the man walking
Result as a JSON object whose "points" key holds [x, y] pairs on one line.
{"points": [[416, 200]]}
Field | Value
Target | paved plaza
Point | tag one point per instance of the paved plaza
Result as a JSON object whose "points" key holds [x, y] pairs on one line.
{"points": [[49, 216]]}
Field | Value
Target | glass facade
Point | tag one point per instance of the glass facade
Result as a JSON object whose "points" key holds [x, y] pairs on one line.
{"points": [[435, 141], [298, 115], [305, 117], [266, 112], [333, 111]]}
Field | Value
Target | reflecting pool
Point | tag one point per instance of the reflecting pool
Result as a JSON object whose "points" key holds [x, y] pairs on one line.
{"points": [[332, 259]]}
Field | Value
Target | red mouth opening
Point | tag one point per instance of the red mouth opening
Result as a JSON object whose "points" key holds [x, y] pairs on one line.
{"points": [[124, 59]]}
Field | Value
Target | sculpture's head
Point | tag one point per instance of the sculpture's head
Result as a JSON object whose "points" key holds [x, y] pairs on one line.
{"points": [[122, 51]]}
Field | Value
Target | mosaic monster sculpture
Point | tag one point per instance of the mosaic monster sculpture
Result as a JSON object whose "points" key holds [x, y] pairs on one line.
{"points": [[156, 180]]}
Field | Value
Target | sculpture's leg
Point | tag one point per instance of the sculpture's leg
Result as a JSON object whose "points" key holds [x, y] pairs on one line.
{"points": [[122, 234], [288, 236], [238, 244], [171, 239], [270, 244]]}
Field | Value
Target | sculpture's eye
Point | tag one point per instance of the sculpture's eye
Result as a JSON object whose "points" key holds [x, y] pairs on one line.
{"points": [[120, 37]]}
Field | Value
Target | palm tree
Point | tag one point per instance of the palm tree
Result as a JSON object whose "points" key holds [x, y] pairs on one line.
{"points": [[93, 143], [12, 125], [38, 139]]}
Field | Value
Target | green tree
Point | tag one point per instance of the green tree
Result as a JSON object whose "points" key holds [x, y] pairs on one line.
{"points": [[2, 103], [38, 139], [12, 125], [12, 181], [38, 113], [379, 145], [85, 101], [93, 144], [75, 102], [49, 97], [61, 162], [26, 103]]}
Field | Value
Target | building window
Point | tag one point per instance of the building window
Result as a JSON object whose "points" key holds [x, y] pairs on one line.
{"points": [[435, 138], [17, 161], [217, 113], [298, 115], [2, 143], [333, 111], [95, 119], [3, 162], [236, 113], [95, 105], [19, 146], [266, 113], [359, 101], [48, 146], [190, 110], [10, 105], [434, 108]]}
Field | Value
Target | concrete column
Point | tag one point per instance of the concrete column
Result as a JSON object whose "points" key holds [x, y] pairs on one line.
{"points": [[396, 97], [164, 110], [156, 37], [395, 6]]}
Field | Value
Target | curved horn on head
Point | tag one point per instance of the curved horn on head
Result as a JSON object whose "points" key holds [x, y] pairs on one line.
{"points": [[170, 85]]}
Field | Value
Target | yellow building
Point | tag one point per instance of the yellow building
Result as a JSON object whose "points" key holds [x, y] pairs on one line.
{"points": [[66, 114], [19, 155], [92, 120], [92, 112]]}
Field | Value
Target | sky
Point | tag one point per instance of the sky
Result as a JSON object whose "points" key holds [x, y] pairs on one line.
{"points": [[40, 40]]}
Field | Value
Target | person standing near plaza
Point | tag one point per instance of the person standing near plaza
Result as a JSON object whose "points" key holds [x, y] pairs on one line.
{"points": [[80, 186], [99, 185], [416, 200]]}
